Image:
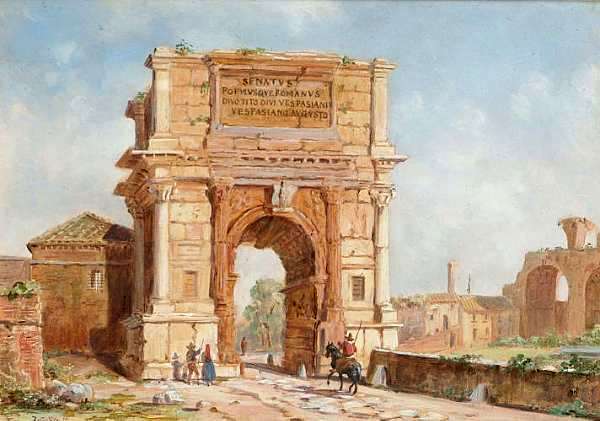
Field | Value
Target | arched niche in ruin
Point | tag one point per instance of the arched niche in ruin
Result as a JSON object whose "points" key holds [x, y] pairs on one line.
{"points": [[592, 300], [540, 301]]}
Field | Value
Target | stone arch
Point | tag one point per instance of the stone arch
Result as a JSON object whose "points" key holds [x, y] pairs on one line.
{"points": [[237, 228], [540, 300], [592, 300], [297, 243]]}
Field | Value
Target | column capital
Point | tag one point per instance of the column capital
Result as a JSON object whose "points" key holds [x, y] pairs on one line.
{"points": [[219, 189], [161, 192], [134, 208], [382, 196]]}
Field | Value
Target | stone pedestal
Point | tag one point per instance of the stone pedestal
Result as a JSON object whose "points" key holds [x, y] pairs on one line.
{"points": [[154, 338]]}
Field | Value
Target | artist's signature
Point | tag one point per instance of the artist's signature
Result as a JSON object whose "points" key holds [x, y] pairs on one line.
{"points": [[49, 418]]}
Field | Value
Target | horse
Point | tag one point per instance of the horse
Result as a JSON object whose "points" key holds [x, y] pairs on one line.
{"points": [[351, 369]]}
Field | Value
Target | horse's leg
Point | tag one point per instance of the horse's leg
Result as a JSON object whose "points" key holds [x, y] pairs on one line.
{"points": [[341, 380], [330, 374]]}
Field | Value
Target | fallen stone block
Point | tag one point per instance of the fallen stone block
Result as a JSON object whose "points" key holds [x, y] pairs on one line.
{"points": [[56, 387], [172, 397], [78, 393]]}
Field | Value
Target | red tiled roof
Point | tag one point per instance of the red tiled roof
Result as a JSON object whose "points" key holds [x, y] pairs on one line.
{"points": [[86, 228]]}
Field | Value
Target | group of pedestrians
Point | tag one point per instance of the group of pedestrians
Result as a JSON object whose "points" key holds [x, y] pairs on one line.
{"points": [[193, 358]]}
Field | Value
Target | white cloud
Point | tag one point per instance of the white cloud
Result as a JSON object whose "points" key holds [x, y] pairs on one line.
{"points": [[64, 52], [536, 88]]}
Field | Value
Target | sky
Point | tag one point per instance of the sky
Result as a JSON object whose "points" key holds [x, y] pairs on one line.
{"points": [[497, 105]]}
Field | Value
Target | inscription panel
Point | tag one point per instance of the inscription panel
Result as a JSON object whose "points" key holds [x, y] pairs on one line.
{"points": [[274, 101]]}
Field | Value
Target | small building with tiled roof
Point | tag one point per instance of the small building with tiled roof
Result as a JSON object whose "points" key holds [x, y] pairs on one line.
{"points": [[83, 267], [487, 318], [13, 269]]}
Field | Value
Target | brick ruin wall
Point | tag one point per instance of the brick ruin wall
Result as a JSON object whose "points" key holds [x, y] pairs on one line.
{"points": [[537, 390], [21, 341]]}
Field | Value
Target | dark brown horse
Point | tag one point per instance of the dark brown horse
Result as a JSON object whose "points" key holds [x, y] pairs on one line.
{"points": [[352, 369]]}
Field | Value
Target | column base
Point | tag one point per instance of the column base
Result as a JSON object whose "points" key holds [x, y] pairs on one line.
{"points": [[386, 313], [162, 307]]}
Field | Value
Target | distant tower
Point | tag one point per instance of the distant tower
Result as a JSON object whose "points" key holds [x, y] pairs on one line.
{"points": [[469, 285], [452, 266]]}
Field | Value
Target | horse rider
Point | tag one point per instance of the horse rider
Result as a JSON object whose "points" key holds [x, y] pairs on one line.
{"points": [[348, 350], [348, 346]]}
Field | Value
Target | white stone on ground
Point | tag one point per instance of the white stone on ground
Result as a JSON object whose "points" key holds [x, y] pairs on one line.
{"points": [[408, 413], [78, 393]]}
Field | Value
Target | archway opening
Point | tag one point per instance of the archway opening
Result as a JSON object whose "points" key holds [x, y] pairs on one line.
{"points": [[540, 298], [259, 306], [291, 294], [592, 300]]}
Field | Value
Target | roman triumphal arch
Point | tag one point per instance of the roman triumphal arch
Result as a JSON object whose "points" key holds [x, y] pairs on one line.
{"points": [[287, 151]]}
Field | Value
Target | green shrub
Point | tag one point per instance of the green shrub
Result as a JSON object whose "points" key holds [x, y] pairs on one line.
{"points": [[21, 289], [573, 409], [458, 395], [580, 365], [21, 396], [521, 364], [591, 337]]}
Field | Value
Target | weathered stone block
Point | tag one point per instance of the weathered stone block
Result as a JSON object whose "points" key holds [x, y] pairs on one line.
{"points": [[357, 220], [198, 232], [181, 76], [353, 101], [279, 145], [355, 150], [322, 145], [245, 143], [357, 247], [357, 84], [189, 95], [354, 118], [190, 212], [176, 232], [354, 135], [190, 171], [199, 75], [191, 142], [191, 128], [156, 347]]}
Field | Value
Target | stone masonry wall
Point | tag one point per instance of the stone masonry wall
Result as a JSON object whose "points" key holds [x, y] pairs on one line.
{"points": [[21, 340], [78, 318], [539, 390]]}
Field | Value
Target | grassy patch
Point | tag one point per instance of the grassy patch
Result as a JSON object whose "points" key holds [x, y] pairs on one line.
{"points": [[573, 409]]}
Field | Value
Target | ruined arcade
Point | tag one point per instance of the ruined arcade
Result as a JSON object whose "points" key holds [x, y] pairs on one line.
{"points": [[287, 151]]}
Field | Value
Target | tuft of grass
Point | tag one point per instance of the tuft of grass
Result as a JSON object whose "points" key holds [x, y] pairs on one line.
{"points": [[250, 51], [56, 371], [184, 47], [346, 61]]}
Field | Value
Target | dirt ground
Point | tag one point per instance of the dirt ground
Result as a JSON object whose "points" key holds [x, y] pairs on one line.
{"points": [[259, 396]]}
